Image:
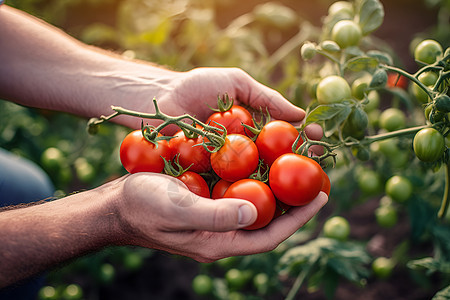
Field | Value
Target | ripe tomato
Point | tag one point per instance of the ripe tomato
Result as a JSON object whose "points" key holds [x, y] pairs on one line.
{"points": [[195, 183], [337, 228], [429, 144], [333, 89], [396, 80], [428, 51], [280, 209], [326, 185], [237, 159], [346, 33], [295, 179], [190, 155], [257, 193], [276, 138], [139, 155], [219, 189], [232, 119]]}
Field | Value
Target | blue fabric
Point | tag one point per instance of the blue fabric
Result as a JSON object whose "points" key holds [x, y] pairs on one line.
{"points": [[21, 181]]}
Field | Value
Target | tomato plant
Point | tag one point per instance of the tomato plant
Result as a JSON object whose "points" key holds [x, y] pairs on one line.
{"points": [[276, 138], [139, 155], [259, 194], [295, 179], [236, 159]]}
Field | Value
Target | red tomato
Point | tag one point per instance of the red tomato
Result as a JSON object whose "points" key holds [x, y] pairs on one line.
{"points": [[281, 208], [139, 155], [295, 179], [195, 183], [276, 138], [326, 186], [257, 193], [237, 159], [396, 80], [219, 189], [190, 155], [232, 119]]}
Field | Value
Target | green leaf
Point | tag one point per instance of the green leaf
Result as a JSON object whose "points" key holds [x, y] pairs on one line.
{"points": [[327, 112], [371, 15], [361, 63], [379, 78], [443, 294], [382, 57]]}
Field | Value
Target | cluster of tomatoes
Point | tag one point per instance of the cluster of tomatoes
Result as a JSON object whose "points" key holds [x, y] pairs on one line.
{"points": [[292, 179]]}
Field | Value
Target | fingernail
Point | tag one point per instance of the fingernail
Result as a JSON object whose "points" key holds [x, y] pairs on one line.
{"points": [[245, 214]]}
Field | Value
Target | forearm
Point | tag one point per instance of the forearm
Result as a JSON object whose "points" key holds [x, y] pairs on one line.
{"points": [[43, 67], [36, 238]]}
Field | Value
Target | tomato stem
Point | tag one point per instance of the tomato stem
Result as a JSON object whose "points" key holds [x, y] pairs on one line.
{"points": [[445, 203], [412, 77]]}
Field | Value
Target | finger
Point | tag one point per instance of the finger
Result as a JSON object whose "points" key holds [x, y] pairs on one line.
{"points": [[217, 215], [314, 131], [259, 96]]}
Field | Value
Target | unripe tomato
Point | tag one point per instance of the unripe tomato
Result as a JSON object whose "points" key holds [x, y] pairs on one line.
{"points": [[337, 228], [428, 51], [429, 144], [341, 7], [346, 33], [392, 119], [399, 188], [360, 86], [419, 93], [202, 285], [382, 267], [333, 89], [369, 182], [374, 101], [386, 216], [428, 78]]}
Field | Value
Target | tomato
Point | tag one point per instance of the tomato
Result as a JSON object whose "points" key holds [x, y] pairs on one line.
{"points": [[202, 285], [238, 158], [139, 155], [276, 138], [52, 159], [106, 273], [399, 188], [85, 170], [326, 185], [369, 182], [280, 209], [429, 144], [259, 194], [333, 89], [382, 267], [428, 51], [360, 86], [396, 80], [392, 119], [195, 183], [346, 33], [133, 261], [192, 154], [219, 189], [47, 293], [337, 228], [232, 119], [261, 282], [236, 278], [73, 292], [295, 179], [428, 78], [386, 216], [419, 93], [341, 7]]}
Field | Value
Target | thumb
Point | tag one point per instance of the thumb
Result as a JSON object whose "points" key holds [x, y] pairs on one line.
{"points": [[219, 215]]}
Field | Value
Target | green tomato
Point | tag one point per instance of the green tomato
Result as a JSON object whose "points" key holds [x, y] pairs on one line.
{"points": [[382, 267], [261, 283], [428, 78], [374, 101], [47, 293], [133, 261], [52, 159], [236, 278], [84, 170], [428, 51], [332, 89], [72, 292], [202, 285], [346, 33], [360, 86], [392, 119], [369, 182], [399, 188], [429, 144], [386, 216], [341, 7], [337, 228], [106, 273]]}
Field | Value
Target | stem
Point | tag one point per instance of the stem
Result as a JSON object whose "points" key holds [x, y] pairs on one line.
{"points": [[299, 280], [388, 135], [445, 203], [410, 77]]}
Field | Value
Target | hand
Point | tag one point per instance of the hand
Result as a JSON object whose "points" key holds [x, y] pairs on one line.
{"points": [[159, 212]]}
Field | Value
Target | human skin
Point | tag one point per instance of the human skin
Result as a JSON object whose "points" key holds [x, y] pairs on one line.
{"points": [[43, 67]]}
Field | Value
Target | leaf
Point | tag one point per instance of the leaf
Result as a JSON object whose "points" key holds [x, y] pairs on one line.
{"points": [[443, 294], [371, 15], [382, 57], [361, 63], [327, 112], [379, 78]]}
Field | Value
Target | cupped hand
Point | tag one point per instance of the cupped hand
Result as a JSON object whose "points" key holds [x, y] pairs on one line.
{"points": [[158, 211]]}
